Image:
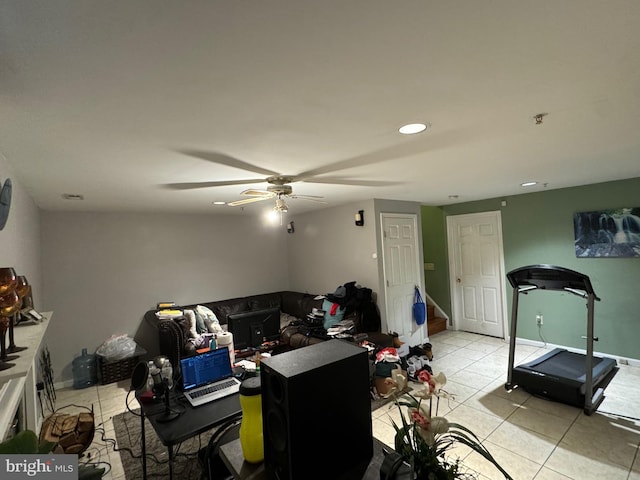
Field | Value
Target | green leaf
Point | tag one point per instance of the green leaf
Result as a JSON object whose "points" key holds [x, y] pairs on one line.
{"points": [[25, 442]]}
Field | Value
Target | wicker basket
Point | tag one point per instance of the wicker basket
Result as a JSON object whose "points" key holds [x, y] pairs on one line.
{"points": [[109, 372]]}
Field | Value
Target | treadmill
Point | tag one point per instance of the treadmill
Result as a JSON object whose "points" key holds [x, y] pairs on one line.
{"points": [[568, 377]]}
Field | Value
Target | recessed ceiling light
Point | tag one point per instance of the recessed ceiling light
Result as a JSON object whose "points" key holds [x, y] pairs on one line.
{"points": [[453, 197], [219, 203], [412, 128], [528, 184], [72, 196]]}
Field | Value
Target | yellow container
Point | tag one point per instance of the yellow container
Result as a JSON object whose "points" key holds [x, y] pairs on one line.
{"points": [[251, 438]]}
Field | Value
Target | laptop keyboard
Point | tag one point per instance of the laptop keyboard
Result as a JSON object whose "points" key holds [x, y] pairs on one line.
{"points": [[215, 391]]}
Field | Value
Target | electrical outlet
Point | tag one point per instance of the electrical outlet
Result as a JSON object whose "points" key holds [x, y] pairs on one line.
{"points": [[539, 320]]}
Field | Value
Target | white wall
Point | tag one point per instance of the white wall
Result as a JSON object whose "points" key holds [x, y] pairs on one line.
{"points": [[328, 249], [102, 271], [20, 238]]}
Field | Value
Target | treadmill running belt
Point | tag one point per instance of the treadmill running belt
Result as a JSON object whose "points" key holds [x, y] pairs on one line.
{"points": [[564, 364]]}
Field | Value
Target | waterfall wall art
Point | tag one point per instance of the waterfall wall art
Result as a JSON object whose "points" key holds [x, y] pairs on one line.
{"points": [[607, 233]]}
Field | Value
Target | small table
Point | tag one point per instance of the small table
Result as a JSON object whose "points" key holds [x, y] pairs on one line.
{"points": [[231, 454], [193, 421]]}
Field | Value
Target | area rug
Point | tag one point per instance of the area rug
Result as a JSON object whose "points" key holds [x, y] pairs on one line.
{"points": [[129, 445], [186, 465]]}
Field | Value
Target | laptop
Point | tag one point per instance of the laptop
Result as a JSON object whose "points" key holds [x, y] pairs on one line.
{"points": [[208, 376]]}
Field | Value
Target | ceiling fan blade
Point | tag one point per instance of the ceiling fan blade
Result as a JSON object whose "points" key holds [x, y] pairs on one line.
{"points": [[313, 198], [258, 193], [293, 195], [229, 161], [194, 185], [347, 181], [244, 201]]}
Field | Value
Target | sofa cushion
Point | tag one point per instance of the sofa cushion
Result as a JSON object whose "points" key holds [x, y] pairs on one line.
{"points": [[290, 302], [307, 304], [265, 301], [223, 308]]}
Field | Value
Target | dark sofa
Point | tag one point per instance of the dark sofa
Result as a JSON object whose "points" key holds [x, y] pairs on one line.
{"points": [[173, 334]]}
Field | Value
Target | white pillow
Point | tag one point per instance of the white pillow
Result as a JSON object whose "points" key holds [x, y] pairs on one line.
{"points": [[191, 318]]}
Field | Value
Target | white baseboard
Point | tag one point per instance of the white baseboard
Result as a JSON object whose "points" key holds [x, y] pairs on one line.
{"points": [[634, 362], [64, 384]]}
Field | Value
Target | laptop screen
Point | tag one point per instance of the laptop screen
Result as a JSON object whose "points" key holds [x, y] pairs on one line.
{"points": [[205, 368]]}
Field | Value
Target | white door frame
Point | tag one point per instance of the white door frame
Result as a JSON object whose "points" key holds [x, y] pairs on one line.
{"points": [[451, 246]]}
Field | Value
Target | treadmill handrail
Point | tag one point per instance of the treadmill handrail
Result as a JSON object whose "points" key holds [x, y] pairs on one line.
{"points": [[580, 293], [549, 277], [525, 289]]}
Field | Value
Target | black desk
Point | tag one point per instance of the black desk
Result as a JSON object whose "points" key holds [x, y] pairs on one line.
{"points": [[231, 454], [194, 421]]}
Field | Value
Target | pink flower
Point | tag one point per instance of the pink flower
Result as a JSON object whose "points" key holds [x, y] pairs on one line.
{"points": [[436, 426], [432, 385], [420, 417]]}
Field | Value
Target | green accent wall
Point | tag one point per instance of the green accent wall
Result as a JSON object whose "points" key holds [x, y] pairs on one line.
{"points": [[434, 240], [538, 228]]}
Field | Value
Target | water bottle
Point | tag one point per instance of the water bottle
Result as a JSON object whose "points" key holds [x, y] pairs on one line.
{"points": [[84, 370], [167, 372], [150, 382], [251, 438]]}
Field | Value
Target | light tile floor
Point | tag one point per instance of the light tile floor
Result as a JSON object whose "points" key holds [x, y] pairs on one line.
{"points": [[532, 438]]}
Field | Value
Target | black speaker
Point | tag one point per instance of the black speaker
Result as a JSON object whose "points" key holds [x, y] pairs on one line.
{"points": [[316, 412]]}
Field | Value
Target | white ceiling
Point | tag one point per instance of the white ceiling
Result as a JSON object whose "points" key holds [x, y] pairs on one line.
{"points": [[115, 100]]}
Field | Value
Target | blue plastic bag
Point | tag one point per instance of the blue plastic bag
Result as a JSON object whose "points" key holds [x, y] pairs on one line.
{"points": [[419, 308]]}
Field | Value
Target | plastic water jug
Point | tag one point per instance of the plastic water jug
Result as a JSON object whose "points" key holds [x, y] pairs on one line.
{"points": [[251, 438], [84, 370]]}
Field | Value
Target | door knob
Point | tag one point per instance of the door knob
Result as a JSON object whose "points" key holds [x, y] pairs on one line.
{"points": [[458, 280]]}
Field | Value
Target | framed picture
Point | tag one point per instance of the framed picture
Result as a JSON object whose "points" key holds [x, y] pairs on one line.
{"points": [[607, 233]]}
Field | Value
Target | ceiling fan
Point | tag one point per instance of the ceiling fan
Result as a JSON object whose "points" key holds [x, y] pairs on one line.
{"points": [[278, 188]]}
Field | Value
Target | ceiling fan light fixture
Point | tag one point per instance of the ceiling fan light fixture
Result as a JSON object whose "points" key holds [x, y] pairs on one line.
{"points": [[412, 128], [281, 206]]}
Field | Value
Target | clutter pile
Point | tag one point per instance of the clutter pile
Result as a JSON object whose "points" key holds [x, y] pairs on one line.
{"points": [[390, 359], [418, 360], [387, 360]]}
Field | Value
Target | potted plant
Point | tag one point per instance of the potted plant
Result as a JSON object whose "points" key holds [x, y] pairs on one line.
{"points": [[27, 442], [423, 438]]}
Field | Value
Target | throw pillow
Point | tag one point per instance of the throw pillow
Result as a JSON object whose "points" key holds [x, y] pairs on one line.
{"points": [[191, 318]]}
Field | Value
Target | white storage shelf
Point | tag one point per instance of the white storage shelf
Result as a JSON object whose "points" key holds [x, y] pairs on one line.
{"points": [[18, 383]]}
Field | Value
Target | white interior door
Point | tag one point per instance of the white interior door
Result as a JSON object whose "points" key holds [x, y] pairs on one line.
{"points": [[402, 273], [477, 273]]}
